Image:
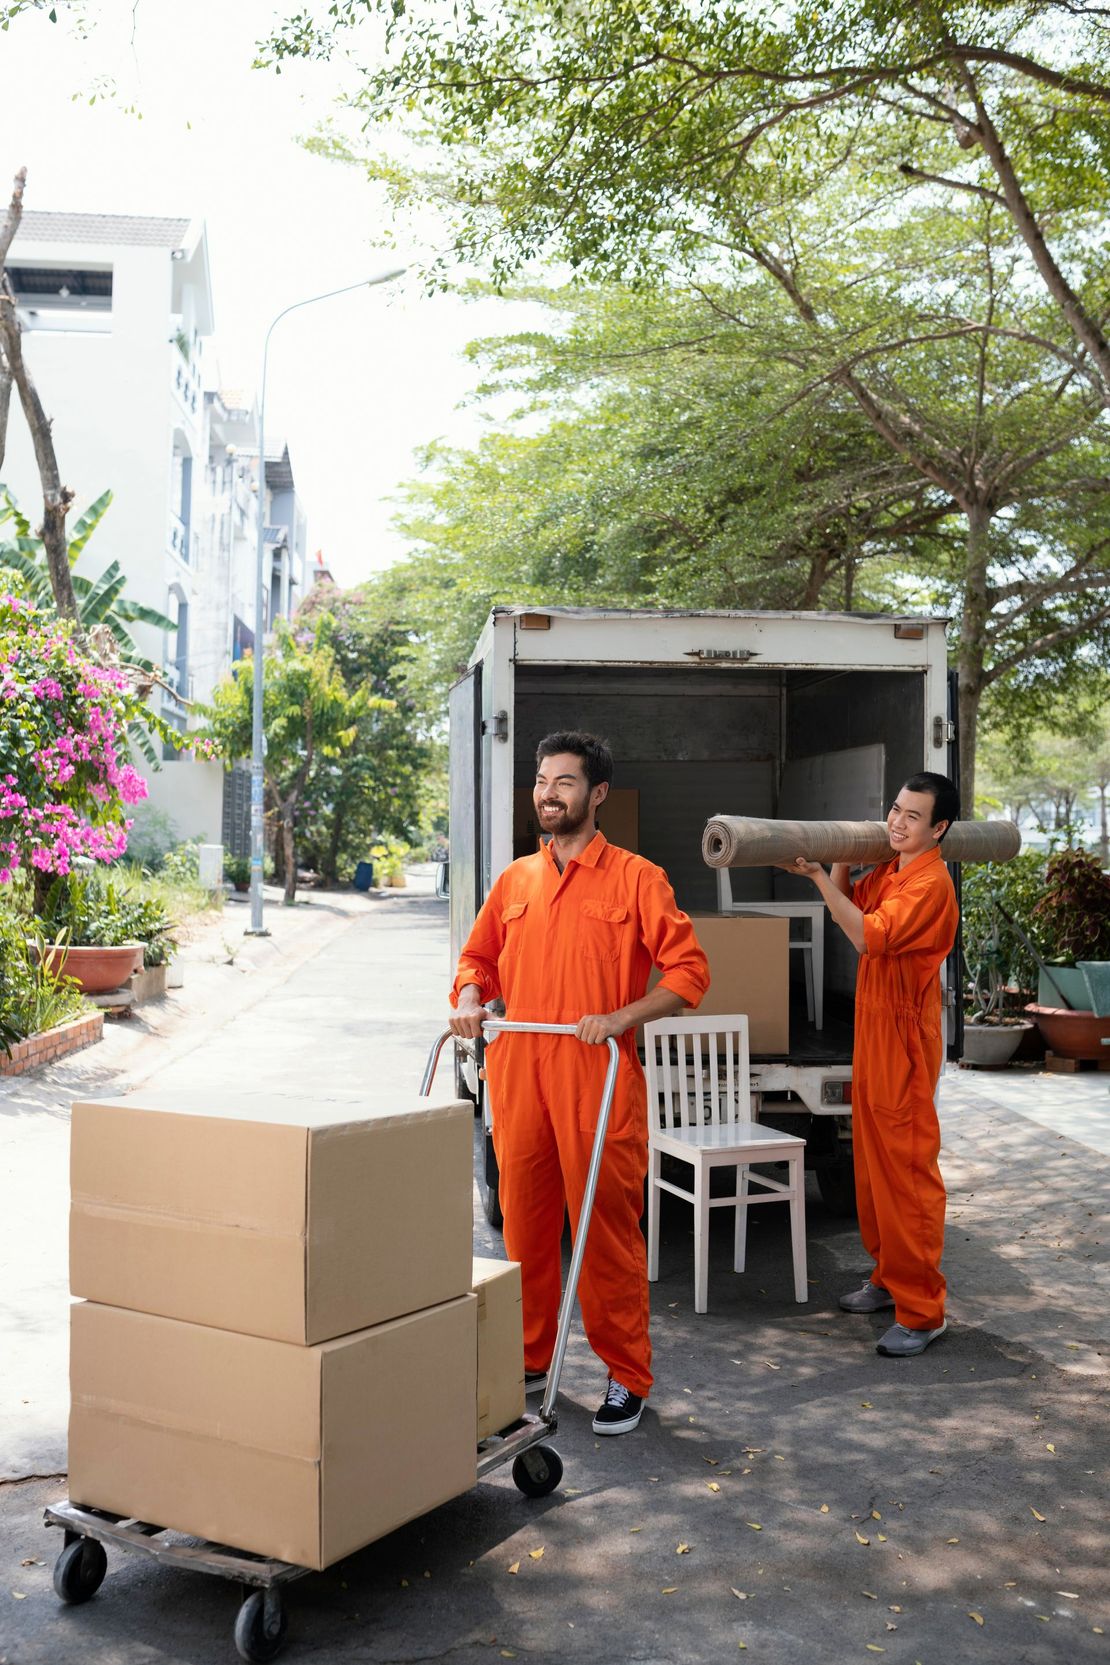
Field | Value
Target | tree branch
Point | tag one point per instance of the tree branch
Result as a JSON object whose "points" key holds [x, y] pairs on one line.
{"points": [[1044, 644], [951, 184]]}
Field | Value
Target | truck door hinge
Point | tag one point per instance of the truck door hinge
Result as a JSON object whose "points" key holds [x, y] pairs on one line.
{"points": [[944, 731], [738, 655], [497, 726]]}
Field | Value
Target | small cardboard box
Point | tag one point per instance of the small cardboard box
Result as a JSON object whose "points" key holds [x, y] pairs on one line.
{"points": [[270, 1216], [303, 1453], [618, 818], [500, 1345], [749, 968]]}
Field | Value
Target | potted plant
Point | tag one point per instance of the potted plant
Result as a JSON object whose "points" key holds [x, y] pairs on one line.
{"points": [[237, 869], [389, 857], [991, 1033], [1073, 921], [99, 935]]}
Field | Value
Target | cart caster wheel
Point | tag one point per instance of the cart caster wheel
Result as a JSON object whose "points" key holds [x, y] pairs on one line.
{"points": [[79, 1570], [254, 1640], [538, 1471]]}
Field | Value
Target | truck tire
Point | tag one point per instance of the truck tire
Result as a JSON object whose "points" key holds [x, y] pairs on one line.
{"points": [[485, 1167], [836, 1181]]}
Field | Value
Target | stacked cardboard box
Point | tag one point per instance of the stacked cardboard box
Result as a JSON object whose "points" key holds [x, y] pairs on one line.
{"points": [[277, 1342], [500, 1345]]}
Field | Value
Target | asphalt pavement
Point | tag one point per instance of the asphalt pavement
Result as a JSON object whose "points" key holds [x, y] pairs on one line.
{"points": [[789, 1496]]}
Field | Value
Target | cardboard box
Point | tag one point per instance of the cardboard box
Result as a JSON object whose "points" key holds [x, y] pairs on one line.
{"points": [[270, 1217], [618, 817], [500, 1345], [749, 967], [303, 1453]]}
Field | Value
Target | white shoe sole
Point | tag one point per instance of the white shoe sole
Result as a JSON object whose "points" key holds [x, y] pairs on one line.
{"points": [[624, 1427], [913, 1352]]}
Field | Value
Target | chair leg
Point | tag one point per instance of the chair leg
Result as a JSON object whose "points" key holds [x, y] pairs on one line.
{"points": [[701, 1239], [740, 1248], [653, 1202], [798, 1226]]}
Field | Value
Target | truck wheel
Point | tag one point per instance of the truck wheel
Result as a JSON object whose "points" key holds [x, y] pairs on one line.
{"points": [[491, 1205], [836, 1181]]}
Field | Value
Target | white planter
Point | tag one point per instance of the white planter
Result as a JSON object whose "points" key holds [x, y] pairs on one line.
{"points": [[990, 1046]]}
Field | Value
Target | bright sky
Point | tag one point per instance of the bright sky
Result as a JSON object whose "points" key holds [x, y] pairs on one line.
{"points": [[355, 384]]}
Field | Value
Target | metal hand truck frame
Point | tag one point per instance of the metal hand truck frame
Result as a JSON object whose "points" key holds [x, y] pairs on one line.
{"points": [[260, 1624]]}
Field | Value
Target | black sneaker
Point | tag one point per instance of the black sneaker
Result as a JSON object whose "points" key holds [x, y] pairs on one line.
{"points": [[620, 1412], [535, 1381]]}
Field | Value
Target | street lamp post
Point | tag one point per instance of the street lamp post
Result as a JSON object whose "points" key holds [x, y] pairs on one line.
{"points": [[256, 927]]}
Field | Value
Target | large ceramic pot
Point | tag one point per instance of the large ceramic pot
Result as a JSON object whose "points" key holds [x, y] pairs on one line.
{"points": [[1067, 982], [97, 970], [990, 1046], [1072, 1034]]}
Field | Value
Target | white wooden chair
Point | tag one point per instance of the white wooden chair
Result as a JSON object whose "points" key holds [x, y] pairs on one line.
{"points": [[699, 1110]]}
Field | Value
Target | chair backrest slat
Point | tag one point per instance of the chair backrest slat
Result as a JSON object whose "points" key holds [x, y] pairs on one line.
{"points": [[698, 1067]]}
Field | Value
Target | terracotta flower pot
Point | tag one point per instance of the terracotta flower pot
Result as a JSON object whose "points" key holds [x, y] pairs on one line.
{"points": [[95, 969], [1071, 1034]]}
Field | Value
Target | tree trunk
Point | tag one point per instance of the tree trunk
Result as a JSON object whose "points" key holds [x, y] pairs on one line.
{"points": [[973, 648], [56, 498], [1103, 826], [331, 860], [289, 849]]}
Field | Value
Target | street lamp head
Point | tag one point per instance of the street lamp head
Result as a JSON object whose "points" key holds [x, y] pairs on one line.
{"points": [[386, 277]]}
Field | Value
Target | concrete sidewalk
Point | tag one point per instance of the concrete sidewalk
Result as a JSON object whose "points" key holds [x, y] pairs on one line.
{"points": [[789, 1496]]}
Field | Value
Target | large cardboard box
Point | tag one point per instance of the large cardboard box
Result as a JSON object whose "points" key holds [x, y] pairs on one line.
{"points": [[303, 1453], [618, 817], [500, 1345], [270, 1216], [749, 967]]}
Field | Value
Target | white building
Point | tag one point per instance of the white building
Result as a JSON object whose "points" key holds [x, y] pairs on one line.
{"points": [[118, 317]]}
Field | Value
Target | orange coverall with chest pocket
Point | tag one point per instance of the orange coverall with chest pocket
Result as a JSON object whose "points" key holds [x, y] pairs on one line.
{"points": [[909, 926], [556, 947]]}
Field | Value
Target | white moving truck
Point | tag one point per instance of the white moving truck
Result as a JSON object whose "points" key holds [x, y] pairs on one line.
{"points": [[809, 715]]}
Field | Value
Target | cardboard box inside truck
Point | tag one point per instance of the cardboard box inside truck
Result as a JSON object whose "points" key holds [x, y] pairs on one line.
{"points": [[303, 1453], [749, 963], [500, 1345], [270, 1216]]}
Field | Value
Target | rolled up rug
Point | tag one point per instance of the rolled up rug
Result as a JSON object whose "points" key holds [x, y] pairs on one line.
{"points": [[749, 841]]}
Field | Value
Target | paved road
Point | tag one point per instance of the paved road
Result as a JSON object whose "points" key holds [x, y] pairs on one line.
{"points": [[832, 1504]]}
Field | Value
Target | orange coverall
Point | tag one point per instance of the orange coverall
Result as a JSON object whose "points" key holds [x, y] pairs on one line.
{"points": [[909, 926], [557, 947]]}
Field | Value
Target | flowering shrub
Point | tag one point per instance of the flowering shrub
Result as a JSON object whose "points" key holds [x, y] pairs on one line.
{"points": [[64, 774]]}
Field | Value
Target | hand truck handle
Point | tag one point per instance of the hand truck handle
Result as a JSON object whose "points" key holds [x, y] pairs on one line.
{"points": [[499, 1026]]}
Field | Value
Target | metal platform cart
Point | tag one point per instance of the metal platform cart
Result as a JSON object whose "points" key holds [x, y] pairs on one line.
{"points": [[260, 1624]]}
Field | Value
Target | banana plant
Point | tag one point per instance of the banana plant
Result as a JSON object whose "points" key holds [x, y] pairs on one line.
{"points": [[101, 603]]}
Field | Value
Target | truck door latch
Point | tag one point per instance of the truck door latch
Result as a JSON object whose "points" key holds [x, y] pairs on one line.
{"points": [[742, 655], [944, 731], [497, 726]]}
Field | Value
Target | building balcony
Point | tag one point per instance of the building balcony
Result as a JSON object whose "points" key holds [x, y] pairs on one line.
{"points": [[178, 538], [185, 381]]}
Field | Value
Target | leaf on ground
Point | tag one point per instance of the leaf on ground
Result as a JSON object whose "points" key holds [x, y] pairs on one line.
{"points": [[873, 1647], [1044, 1618], [741, 1595], [755, 1526], [713, 1486], [875, 1515], [890, 1625], [683, 1549], [635, 1529], [894, 1608], [19, 1595], [515, 1568], [869, 1595], [1051, 1448], [860, 1539], [978, 1617], [712, 1461], [881, 1537], [32, 1561], [572, 1491], [771, 1365], [1071, 1595], [1036, 1514], [669, 1590], [1010, 1584], [824, 1509], [742, 1646], [951, 1540], [507, 1653], [535, 1555], [865, 1405]]}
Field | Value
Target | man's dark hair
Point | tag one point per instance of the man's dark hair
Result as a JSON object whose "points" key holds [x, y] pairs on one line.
{"points": [[945, 794], [597, 759]]}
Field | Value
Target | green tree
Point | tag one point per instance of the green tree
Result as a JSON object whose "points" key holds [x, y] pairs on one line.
{"points": [[308, 716], [378, 785]]}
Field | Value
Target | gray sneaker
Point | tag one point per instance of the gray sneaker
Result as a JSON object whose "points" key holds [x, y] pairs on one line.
{"points": [[871, 1298], [900, 1342]]}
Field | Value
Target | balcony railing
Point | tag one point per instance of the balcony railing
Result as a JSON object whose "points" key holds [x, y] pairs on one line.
{"points": [[178, 537]]}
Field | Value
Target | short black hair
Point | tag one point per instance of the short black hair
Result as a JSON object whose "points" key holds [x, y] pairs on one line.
{"points": [[597, 759], [945, 795]]}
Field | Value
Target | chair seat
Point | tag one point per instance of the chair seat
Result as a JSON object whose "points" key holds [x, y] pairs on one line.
{"points": [[752, 1139]]}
